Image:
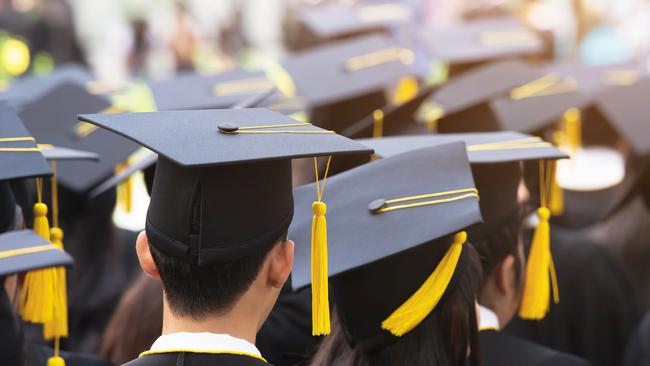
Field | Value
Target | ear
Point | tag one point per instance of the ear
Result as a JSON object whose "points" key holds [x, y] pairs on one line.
{"points": [[144, 256], [280, 262], [505, 276]]}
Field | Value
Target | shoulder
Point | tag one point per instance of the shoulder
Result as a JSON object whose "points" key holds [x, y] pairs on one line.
{"points": [[191, 359], [498, 348]]}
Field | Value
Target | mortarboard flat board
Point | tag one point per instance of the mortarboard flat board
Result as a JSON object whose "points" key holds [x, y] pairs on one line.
{"points": [[191, 90], [463, 101], [32, 88], [23, 251], [371, 239], [482, 147], [345, 81], [20, 157], [533, 106], [495, 158], [52, 120], [477, 41], [239, 158], [56, 153], [330, 22], [150, 158]]}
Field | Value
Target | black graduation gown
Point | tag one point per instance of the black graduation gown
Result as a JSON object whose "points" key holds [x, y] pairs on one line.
{"points": [[597, 312], [637, 352], [285, 338], [195, 359], [37, 355], [501, 349]]}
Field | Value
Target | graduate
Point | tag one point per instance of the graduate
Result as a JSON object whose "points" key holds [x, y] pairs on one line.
{"points": [[497, 169], [402, 281], [216, 229]]}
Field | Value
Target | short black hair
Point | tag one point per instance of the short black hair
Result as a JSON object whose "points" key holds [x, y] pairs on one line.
{"points": [[503, 240], [200, 290]]}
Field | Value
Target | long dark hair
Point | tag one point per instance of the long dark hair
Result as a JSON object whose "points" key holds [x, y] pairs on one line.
{"points": [[448, 336]]}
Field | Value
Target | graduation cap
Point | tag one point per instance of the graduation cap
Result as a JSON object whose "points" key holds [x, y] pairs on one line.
{"points": [[20, 157], [32, 88], [52, 120], [496, 159], [345, 81], [625, 108], [148, 161], [44, 298], [333, 22], [476, 41], [24, 251], [462, 104], [534, 105], [238, 158], [192, 90], [376, 215]]}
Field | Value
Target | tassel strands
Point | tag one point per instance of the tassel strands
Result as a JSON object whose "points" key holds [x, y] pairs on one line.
{"points": [[414, 310], [319, 263], [541, 280]]}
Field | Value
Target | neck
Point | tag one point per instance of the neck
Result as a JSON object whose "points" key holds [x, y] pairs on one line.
{"points": [[234, 323]]}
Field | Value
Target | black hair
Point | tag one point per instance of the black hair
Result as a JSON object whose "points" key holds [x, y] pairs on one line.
{"points": [[200, 290], [498, 243], [444, 338]]}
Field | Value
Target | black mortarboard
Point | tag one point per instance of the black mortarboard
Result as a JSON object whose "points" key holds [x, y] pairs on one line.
{"points": [[481, 40], [53, 120], [625, 108], [191, 90], [495, 158], [331, 22], [386, 216], [23, 251], [533, 106], [20, 156], [346, 81], [32, 88], [463, 102], [239, 158], [496, 165]]}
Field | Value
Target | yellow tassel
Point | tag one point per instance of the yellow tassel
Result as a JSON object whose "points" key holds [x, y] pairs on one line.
{"points": [[414, 310], [319, 285], [407, 89], [58, 327], [55, 361], [37, 298], [535, 301], [125, 189], [556, 205], [573, 128]]}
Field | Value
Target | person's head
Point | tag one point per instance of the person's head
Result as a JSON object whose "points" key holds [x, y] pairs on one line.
{"points": [[200, 291], [498, 239], [447, 336], [138, 314]]}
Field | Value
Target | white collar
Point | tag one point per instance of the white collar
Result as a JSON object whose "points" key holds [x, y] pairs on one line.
{"points": [[203, 342], [489, 319]]}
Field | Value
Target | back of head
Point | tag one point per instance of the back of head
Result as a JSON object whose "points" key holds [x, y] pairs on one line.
{"points": [[445, 337]]}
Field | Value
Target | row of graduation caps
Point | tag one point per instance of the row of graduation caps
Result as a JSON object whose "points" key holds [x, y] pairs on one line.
{"points": [[502, 95]]}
